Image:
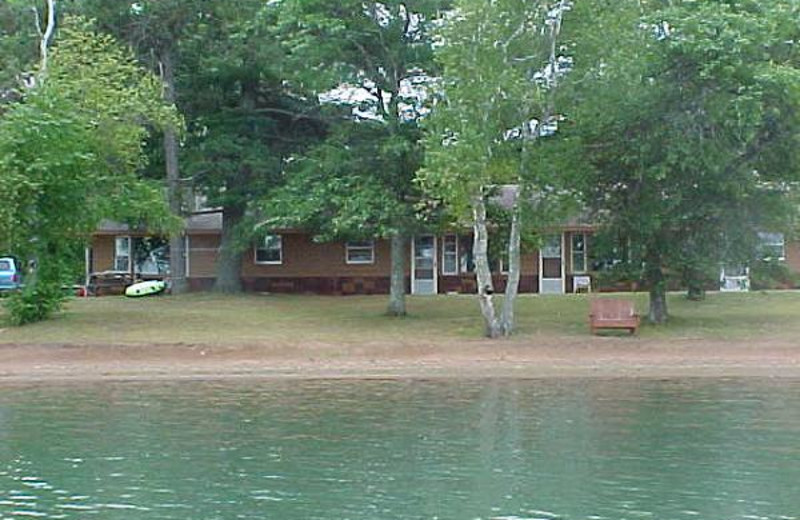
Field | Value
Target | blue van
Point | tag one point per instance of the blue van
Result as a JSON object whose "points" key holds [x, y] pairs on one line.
{"points": [[9, 274]]}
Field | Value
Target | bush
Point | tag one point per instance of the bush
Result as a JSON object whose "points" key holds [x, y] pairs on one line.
{"points": [[34, 303], [619, 277], [772, 275]]}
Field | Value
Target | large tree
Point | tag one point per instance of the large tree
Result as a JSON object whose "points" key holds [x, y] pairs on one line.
{"points": [[688, 118], [243, 119], [367, 60], [155, 29], [502, 65], [70, 155], [224, 69]]}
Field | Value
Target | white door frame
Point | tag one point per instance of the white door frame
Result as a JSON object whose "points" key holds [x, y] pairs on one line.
{"points": [[563, 274], [88, 267], [414, 263], [187, 251]]}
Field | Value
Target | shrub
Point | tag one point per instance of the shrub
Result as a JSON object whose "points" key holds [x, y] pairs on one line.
{"points": [[34, 303], [772, 275]]}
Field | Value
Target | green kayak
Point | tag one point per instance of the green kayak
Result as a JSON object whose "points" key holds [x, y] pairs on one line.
{"points": [[145, 289]]}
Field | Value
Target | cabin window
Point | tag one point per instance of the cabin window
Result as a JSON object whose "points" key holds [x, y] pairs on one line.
{"points": [[122, 254], [579, 253], [450, 254], [772, 246], [503, 263], [270, 250], [466, 262], [150, 255], [362, 252]]}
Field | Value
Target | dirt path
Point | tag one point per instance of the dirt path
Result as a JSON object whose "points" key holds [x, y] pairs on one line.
{"points": [[549, 357]]}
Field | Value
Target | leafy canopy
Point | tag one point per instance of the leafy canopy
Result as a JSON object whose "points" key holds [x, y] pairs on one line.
{"points": [[70, 153], [688, 119], [495, 102], [367, 62]]}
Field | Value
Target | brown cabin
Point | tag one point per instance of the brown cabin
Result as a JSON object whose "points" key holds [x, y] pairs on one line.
{"points": [[292, 262]]}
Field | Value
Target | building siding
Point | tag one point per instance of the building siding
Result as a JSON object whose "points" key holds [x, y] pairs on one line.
{"points": [[312, 267], [302, 257], [203, 252], [792, 252], [102, 254]]}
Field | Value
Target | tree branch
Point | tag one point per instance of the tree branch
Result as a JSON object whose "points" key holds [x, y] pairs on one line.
{"points": [[407, 21], [38, 22], [45, 38]]}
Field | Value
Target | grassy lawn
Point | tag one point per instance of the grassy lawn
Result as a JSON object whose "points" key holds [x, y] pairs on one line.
{"points": [[250, 319]]}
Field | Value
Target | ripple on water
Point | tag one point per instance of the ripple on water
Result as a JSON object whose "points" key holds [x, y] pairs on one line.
{"points": [[544, 450]]}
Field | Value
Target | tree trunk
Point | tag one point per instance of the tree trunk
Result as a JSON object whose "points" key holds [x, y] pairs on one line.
{"points": [[658, 292], [512, 281], [696, 292], [177, 250], [658, 306], [397, 287], [695, 285], [229, 261], [480, 251]]}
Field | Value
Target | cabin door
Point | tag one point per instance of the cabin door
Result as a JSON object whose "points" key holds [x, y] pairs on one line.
{"points": [[551, 265], [423, 265]]}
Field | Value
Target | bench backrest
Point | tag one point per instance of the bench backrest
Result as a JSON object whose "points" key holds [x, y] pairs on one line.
{"points": [[612, 309]]}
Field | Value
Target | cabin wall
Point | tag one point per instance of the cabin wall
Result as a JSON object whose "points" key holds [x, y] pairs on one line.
{"points": [[792, 252], [310, 267], [102, 254], [203, 252], [302, 257]]}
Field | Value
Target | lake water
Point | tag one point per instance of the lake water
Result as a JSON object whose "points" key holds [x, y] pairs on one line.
{"points": [[461, 449]]}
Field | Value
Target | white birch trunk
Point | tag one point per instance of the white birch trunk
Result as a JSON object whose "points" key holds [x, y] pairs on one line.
{"points": [[44, 40], [480, 252], [48, 33], [514, 272]]}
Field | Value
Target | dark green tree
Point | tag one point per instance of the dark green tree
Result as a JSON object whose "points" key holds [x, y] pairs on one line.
{"points": [[368, 61], [243, 120], [18, 48], [688, 119]]}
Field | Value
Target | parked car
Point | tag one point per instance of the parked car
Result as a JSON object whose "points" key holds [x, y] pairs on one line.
{"points": [[10, 274]]}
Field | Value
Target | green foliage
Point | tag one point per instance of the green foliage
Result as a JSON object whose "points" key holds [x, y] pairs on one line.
{"points": [[374, 45], [70, 154], [766, 274], [34, 303], [359, 182], [243, 121], [688, 120], [18, 47], [480, 134], [351, 186]]}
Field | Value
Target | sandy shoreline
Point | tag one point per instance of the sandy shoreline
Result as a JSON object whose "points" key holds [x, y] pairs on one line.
{"points": [[596, 357]]}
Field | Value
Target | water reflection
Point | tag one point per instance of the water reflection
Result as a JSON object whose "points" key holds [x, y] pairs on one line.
{"points": [[512, 449]]}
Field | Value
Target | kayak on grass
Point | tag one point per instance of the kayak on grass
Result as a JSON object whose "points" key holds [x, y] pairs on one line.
{"points": [[145, 289]]}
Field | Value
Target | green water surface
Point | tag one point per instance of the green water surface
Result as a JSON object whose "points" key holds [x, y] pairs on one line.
{"points": [[358, 450]]}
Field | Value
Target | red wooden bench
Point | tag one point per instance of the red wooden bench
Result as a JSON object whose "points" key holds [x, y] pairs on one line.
{"points": [[608, 313]]}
